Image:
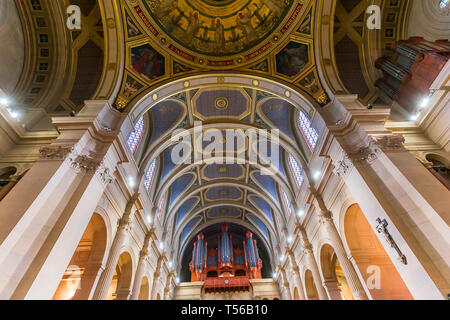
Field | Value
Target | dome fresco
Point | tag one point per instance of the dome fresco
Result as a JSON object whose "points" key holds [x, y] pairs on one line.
{"points": [[218, 27]]}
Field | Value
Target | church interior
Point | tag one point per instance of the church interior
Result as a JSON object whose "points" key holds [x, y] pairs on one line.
{"points": [[224, 150]]}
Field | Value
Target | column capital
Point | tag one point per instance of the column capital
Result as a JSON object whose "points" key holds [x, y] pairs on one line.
{"points": [[367, 154], [391, 142]]}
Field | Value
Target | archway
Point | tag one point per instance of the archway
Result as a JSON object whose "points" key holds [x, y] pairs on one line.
{"points": [[334, 279], [6, 183], [377, 269], [158, 297], [145, 289], [121, 282], [80, 275], [296, 295], [310, 286]]}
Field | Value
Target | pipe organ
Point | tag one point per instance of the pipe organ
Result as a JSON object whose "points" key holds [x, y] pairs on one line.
{"points": [[228, 260]]}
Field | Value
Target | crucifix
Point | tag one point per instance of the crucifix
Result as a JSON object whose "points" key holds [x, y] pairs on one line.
{"points": [[382, 228]]}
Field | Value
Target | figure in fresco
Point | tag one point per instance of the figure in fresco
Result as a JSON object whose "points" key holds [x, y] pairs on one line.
{"points": [[166, 7], [310, 83], [275, 7], [292, 59], [220, 36], [244, 22], [132, 29], [193, 27], [147, 62]]}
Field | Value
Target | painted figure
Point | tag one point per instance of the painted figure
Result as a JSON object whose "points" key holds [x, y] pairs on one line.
{"points": [[147, 62], [220, 36], [292, 60], [244, 22], [166, 7], [193, 27], [273, 5]]}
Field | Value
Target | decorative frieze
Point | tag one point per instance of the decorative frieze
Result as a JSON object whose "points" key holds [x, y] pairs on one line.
{"points": [[391, 143], [55, 152]]}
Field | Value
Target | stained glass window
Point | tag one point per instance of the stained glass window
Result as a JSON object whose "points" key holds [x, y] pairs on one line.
{"points": [[161, 206], [296, 170], [136, 136], [149, 175], [287, 203], [444, 3], [308, 131]]}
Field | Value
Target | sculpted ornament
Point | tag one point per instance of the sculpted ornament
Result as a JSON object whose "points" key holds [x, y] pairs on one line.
{"points": [[54, 152], [391, 143], [83, 162], [104, 174], [343, 167], [366, 154]]}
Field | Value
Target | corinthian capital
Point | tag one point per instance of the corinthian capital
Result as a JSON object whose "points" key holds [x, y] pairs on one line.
{"points": [[84, 162], [344, 167], [366, 154], [54, 152]]}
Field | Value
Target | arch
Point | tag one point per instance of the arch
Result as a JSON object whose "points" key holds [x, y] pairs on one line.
{"points": [[144, 291], [79, 278], [310, 286], [334, 279], [158, 296], [121, 282], [382, 278]]}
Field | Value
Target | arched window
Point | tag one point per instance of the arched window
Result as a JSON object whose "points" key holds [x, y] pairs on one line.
{"points": [[308, 131], [444, 3], [150, 175], [136, 136], [287, 203], [296, 170], [161, 206]]}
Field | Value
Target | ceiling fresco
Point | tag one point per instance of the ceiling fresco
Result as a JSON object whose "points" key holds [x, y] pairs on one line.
{"points": [[218, 27], [179, 38]]}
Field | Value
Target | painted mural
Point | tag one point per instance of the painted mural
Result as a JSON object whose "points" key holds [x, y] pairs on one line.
{"points": [[147, 62], [218, 27]]}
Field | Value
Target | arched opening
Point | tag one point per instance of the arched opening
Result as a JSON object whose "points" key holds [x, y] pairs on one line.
{"points": [[310, 286], [158, 297], [83, 269], [440, 170], [121, 282], [144, 291], [377, 269], [296, 295], [334, 279], [6, 182]]}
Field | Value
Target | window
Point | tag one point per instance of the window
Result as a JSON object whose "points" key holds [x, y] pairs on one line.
{"points": [[444, 4], [161, 206], [296, 170], [136, 136], [149, 175], [287, 203], [308, 131]]}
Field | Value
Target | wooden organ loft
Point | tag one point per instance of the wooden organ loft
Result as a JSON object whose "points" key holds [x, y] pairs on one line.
{"points": [[227, 267], [410, 71]]}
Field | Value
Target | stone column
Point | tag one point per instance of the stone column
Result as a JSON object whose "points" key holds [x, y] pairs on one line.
{"points": [[156, 276], [298, 278], [311, 261], [333, 290], [326, 220], [285, 283], [45, 215], [141, 267], [114, 253]]}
